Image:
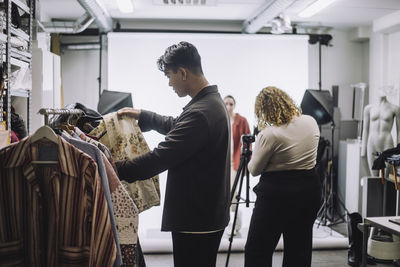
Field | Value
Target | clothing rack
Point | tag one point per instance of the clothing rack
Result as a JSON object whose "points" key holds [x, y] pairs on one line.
{"points": [[57, 111]]}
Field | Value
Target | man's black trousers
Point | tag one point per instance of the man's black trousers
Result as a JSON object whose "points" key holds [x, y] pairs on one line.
{"points": [[196, 250]]}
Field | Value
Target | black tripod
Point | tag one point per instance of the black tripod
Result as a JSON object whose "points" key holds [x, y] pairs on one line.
{"points": [[328, 207], [242, 171]]}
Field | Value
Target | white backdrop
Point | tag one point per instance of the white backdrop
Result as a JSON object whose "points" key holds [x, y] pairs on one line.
{"points": [[241, 65]]}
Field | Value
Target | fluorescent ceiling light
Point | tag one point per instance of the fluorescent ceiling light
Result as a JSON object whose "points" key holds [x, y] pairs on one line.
{"points": [[125, 6], [314, 8]]}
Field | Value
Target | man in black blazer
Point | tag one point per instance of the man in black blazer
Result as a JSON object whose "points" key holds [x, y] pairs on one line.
{"points": [[196, 153]]}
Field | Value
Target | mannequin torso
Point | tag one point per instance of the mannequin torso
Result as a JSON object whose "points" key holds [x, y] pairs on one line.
{"points": [[378, 124]]}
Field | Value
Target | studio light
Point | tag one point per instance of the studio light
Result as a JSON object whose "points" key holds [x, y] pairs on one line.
{"points": [[125, 6], [266, 14], [319, 105], [314, 8], [111, 101], [276, 27], [280, 24]]}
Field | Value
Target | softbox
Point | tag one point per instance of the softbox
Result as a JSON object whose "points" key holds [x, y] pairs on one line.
{"points": [[111, 101], [318, 104]]}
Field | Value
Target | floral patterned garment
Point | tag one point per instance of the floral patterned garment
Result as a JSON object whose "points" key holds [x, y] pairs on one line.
{"points": [[126, 141], [126, 216], [125, 211]]}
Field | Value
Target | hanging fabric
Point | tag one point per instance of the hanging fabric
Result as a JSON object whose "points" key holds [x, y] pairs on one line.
{"points": [[52, 214], [125, 141], [125, 212]]}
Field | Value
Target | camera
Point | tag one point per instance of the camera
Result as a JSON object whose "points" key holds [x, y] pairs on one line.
{"points": [[248, 138]]}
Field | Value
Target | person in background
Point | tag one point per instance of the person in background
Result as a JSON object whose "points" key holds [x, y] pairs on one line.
{"points": [[289, 191], [239, 127], [196, 153]]}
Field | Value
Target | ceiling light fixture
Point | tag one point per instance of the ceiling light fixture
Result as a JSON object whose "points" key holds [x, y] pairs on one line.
{"points": [[267, 12], [314, 8], [125, 6], [280, 24]]}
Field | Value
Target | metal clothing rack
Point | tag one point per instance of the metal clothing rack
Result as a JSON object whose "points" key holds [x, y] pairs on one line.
{"points": [[57, 111]]}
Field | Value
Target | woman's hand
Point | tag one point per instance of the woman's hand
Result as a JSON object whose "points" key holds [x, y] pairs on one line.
{"points": [[130, 112]]}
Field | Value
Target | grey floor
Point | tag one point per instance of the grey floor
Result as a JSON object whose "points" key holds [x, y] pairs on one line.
{"points": [[320, 258]]}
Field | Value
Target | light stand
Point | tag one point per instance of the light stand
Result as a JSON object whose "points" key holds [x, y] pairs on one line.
{"points": [[242, 170], [329, 207]]}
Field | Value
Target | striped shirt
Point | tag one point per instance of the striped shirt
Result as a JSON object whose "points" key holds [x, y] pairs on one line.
{"points": [[52, 215]]}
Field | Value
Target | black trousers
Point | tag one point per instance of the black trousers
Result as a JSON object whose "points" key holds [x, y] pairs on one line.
{"points": [[287, 204], [196, 250]]}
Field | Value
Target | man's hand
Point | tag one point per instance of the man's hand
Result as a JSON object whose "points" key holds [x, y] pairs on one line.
{"points": [[130, 112]]}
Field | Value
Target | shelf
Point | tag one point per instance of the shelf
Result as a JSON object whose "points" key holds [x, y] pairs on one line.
{"points": [[20, 58], [3, 38], [20, 92], [21, 5], [19, 63], [20, 33], [18, 53]]}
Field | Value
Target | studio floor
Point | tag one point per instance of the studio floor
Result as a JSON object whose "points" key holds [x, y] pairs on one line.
{"points": [[320, 258], [327, 257]]}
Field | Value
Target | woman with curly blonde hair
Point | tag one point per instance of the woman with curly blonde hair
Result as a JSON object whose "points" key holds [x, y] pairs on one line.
{"points": [[288, 193]]}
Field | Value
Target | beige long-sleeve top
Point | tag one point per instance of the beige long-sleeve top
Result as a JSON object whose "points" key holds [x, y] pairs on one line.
{"points": [[288, 147]]}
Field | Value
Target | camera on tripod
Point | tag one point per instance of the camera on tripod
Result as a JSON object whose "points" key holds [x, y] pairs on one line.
{"points": [[248, 138]]}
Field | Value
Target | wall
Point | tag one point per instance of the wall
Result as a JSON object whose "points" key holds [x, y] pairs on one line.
{"points": [[385, 55], [80, 71], [343, 63]]}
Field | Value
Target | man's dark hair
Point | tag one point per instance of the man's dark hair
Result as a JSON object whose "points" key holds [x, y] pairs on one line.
{"points": [[184, 55]]}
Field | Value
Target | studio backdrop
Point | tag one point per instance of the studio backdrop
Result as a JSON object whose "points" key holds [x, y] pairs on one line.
{"points": [[241, 65]]}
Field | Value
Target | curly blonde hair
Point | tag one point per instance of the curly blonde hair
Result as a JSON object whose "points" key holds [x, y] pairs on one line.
{"points": [[274, 107]]}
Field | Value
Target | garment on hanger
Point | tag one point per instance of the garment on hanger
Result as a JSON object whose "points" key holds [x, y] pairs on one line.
{"points": [[95, 154], [125, 141], [14, 137], [88, 115], [124, 209], [102, 147], [126, 215], [53, 214]]}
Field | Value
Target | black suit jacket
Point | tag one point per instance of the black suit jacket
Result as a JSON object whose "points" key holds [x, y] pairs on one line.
{"points": [[196, 153]]}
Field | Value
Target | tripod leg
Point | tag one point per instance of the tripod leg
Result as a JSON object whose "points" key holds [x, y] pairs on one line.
{"points": [[336, 210], [240, 174], [237, 177]]}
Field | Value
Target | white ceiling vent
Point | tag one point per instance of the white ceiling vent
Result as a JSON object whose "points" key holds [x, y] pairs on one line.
{"points": [[185, 2]]}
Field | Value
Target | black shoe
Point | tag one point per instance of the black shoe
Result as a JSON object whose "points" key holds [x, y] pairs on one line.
{"points": [[355, 239]]}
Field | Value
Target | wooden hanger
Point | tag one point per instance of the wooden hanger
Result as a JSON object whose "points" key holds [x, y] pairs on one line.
{"points": [[44, 132], [65, 126]]}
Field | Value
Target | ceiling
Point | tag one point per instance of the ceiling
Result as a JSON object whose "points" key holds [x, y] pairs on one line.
{"points": [[341, 14]]}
